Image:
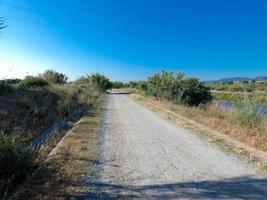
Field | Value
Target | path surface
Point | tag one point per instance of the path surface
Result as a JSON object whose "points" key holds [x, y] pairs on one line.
{"points": [[145, 157]]}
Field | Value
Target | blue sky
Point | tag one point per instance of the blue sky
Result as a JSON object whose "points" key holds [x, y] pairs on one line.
{"points": [[131, 39]]}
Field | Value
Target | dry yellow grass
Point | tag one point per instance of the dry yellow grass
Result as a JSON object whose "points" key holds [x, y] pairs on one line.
{"points": [[59, 176]]}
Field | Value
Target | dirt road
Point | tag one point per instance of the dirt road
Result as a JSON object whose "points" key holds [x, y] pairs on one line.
{"points": [[144, 156]]}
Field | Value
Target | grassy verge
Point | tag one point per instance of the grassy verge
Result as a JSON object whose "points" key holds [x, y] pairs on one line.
{"points": [[58, 177], [211, 117], [24, 112]]}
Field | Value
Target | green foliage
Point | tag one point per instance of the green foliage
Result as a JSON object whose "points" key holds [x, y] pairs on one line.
{"points": [[5, 88], [193, 92], [175, 87], [227, 97], [244, 86], [31, 81], [54, 77], [246, 113], [100, 82], [142, 85], [82, 80], [118, 84], [260, 96], [10, 81], [133, 84], [64, 106], [16, 161]]}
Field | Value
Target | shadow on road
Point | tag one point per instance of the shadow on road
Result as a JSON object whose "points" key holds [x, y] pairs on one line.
{"points": [[234, 188]]}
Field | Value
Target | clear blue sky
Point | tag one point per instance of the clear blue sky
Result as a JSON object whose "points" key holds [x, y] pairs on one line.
{"points": [[131, 39]]}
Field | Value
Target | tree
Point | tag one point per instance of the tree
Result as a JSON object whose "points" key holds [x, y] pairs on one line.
{"points": [[54, 77]]}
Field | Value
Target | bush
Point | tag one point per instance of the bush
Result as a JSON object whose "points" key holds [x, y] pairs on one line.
{"points": [[54, 77], [175, 87], [82, 80], [64, 107], [5, 88], [142, 85], [246, 113], [193, 92], [118, 84], [133, 84], [31, 81], [100, 82], [16, 163]]}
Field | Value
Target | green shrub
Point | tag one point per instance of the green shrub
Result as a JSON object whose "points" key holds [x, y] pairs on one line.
{"points": [[16, 163], [194, 92], [5, 88], [31, 81], [142, 85], [100, 82], [64, 106], [54, 77], [82, 80], [117, 84], [133, 84], [228, 97], [246, 113], [173, 86]]}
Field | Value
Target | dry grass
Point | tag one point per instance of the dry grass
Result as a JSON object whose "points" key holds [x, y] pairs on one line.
{"points": [[26, 112], [213, 118], [58, 177]]}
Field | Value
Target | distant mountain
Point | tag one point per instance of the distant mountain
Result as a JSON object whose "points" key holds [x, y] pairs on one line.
{"points": [[226, 80], [261, 78]]}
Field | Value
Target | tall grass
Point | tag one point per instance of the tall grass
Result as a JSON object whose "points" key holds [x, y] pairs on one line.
{"points": [[16, 163], [64, 106], [246, 113], [5, 88]]}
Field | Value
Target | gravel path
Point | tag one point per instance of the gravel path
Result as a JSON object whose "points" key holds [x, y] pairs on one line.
{"points": [[145, 157]]}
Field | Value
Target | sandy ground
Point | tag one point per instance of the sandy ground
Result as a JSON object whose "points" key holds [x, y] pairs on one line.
{"points": [[143, 156]]}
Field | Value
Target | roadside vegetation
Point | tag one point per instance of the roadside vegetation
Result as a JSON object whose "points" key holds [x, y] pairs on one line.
{"points": [[30, 106], [174, 87], [59, 177], [234, 92], [192, 99]]}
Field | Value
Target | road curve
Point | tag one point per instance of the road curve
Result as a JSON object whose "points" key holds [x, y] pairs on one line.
{"points": [[143, 156]]}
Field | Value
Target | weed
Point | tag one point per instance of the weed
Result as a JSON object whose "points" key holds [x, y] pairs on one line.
{"points": [[64, 107], [16, 163], [31, 81], [5, 88], [246, 113]]}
